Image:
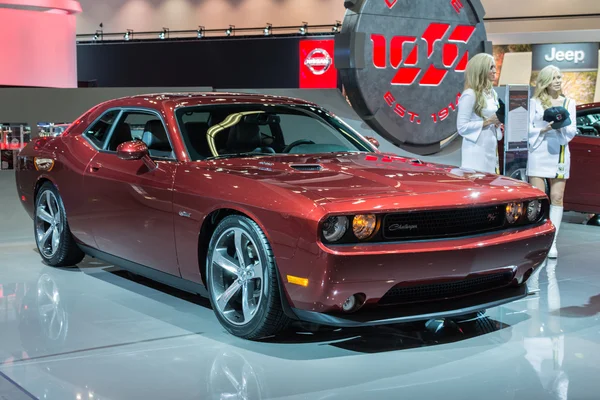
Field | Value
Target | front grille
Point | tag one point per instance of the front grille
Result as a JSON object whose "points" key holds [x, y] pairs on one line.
{"points": [[443, 223], [440, 291]]}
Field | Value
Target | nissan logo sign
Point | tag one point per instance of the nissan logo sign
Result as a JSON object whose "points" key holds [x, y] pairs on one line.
{"points": [[402, 64], [318, 61]]}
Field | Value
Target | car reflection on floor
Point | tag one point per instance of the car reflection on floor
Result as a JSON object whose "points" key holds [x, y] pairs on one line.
{"points": [[71, 332]]}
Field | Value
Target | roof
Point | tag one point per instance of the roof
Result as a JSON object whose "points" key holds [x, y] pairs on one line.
{"points": [[197, 98], [588, 105]]}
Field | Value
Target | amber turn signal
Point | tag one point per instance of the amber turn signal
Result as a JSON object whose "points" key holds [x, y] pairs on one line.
{"points": [[363, 226], [514, 211], [297, 281]]}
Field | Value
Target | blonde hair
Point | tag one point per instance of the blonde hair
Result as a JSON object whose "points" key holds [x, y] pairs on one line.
{"points": [[476, 78], [544, 79]]}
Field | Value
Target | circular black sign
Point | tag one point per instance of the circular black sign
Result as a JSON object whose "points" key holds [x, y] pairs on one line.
{"points": [[402, 64]]}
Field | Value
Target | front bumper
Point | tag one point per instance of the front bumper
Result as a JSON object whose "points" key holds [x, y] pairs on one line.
{"points": [[409, 313], [372, 271]]}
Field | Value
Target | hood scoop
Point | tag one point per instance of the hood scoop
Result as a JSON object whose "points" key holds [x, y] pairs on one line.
{"points": [[306, 167]]}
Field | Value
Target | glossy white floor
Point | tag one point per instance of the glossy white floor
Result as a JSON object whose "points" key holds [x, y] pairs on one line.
{"points": [[97, 333]]}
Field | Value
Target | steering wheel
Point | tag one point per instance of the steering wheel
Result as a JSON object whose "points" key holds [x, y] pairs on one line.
{"points": [[296, 143]]}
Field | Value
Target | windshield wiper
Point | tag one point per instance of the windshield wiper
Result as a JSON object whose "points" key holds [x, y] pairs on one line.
{"points": [[238, 155]]}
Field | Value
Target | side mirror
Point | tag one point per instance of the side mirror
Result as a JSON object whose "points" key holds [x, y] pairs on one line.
{"points": [[133, 150], [373, 141]]}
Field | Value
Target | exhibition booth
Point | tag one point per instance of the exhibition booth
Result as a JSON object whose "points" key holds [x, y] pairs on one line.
{"points": [[311, 72], [520, 64]]}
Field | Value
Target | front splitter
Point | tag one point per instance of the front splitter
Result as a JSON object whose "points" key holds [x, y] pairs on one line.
{"points": [[385, 315]]}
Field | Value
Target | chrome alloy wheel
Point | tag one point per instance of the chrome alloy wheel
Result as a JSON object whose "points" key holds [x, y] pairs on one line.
{"points": [[520, 174], [48, 224], [237, 276]]}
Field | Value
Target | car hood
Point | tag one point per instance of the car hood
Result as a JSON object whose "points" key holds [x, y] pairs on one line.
{"points": [[343, 177]]}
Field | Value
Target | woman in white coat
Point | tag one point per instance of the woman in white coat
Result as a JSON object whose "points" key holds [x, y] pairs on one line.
{"points": [[549, 156], [477, 122]]}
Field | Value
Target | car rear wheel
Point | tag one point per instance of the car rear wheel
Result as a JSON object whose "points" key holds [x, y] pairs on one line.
{"points": [[518, 173], [52, 234], [242, 280]]}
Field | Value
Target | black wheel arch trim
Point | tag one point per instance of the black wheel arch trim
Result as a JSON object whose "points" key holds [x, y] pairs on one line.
{"points": [[287, 308]]}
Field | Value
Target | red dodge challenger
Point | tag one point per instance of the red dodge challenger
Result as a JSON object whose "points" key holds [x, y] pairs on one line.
{"points": [[277, 210]]}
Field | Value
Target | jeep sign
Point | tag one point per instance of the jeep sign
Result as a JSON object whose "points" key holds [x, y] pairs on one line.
{"points": [[567, 57], [402, 64]]}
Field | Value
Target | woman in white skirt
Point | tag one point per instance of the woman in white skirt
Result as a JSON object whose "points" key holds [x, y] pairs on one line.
{"points": [[549, 156], [477, 122]]}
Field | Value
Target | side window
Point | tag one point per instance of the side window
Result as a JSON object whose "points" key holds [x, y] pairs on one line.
{"points": [[588, 123], [98, 132], [144, 126]]}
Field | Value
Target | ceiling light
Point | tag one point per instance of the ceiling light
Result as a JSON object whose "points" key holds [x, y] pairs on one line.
{"points": [[99, 33], [164, 34], [304, 28], [337, 27], [268, 29]]}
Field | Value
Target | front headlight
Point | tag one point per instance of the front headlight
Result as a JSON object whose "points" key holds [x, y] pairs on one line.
{"points": [[363, 226], [534, 208], [514, 211], [334, 228]]}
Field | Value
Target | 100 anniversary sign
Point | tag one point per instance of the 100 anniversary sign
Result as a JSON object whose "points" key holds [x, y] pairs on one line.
{"points": [[402, 64]]}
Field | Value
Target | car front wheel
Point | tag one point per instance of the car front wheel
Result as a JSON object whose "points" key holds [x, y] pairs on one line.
{"points": [[52, 234], [242, 280]]}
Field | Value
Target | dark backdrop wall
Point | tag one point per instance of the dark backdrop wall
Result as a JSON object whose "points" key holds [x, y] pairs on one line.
{"points": [[224, 63]]}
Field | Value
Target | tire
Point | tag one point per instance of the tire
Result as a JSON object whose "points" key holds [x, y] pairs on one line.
{"points": [[59, 249], [485, 325], [261, 316], [471, 316]]}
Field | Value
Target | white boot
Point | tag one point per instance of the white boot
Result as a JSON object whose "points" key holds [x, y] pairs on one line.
{"points": [[556, 214]]}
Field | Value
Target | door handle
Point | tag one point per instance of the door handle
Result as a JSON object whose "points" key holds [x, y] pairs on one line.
{"points": [[95, 167]]}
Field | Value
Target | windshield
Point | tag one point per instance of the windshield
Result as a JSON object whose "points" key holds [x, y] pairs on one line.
{"points": [[248, 129]]}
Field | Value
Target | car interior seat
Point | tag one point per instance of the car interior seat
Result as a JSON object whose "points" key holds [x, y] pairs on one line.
{"points": [[245, 138], [155, 137], [121, 134]]}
